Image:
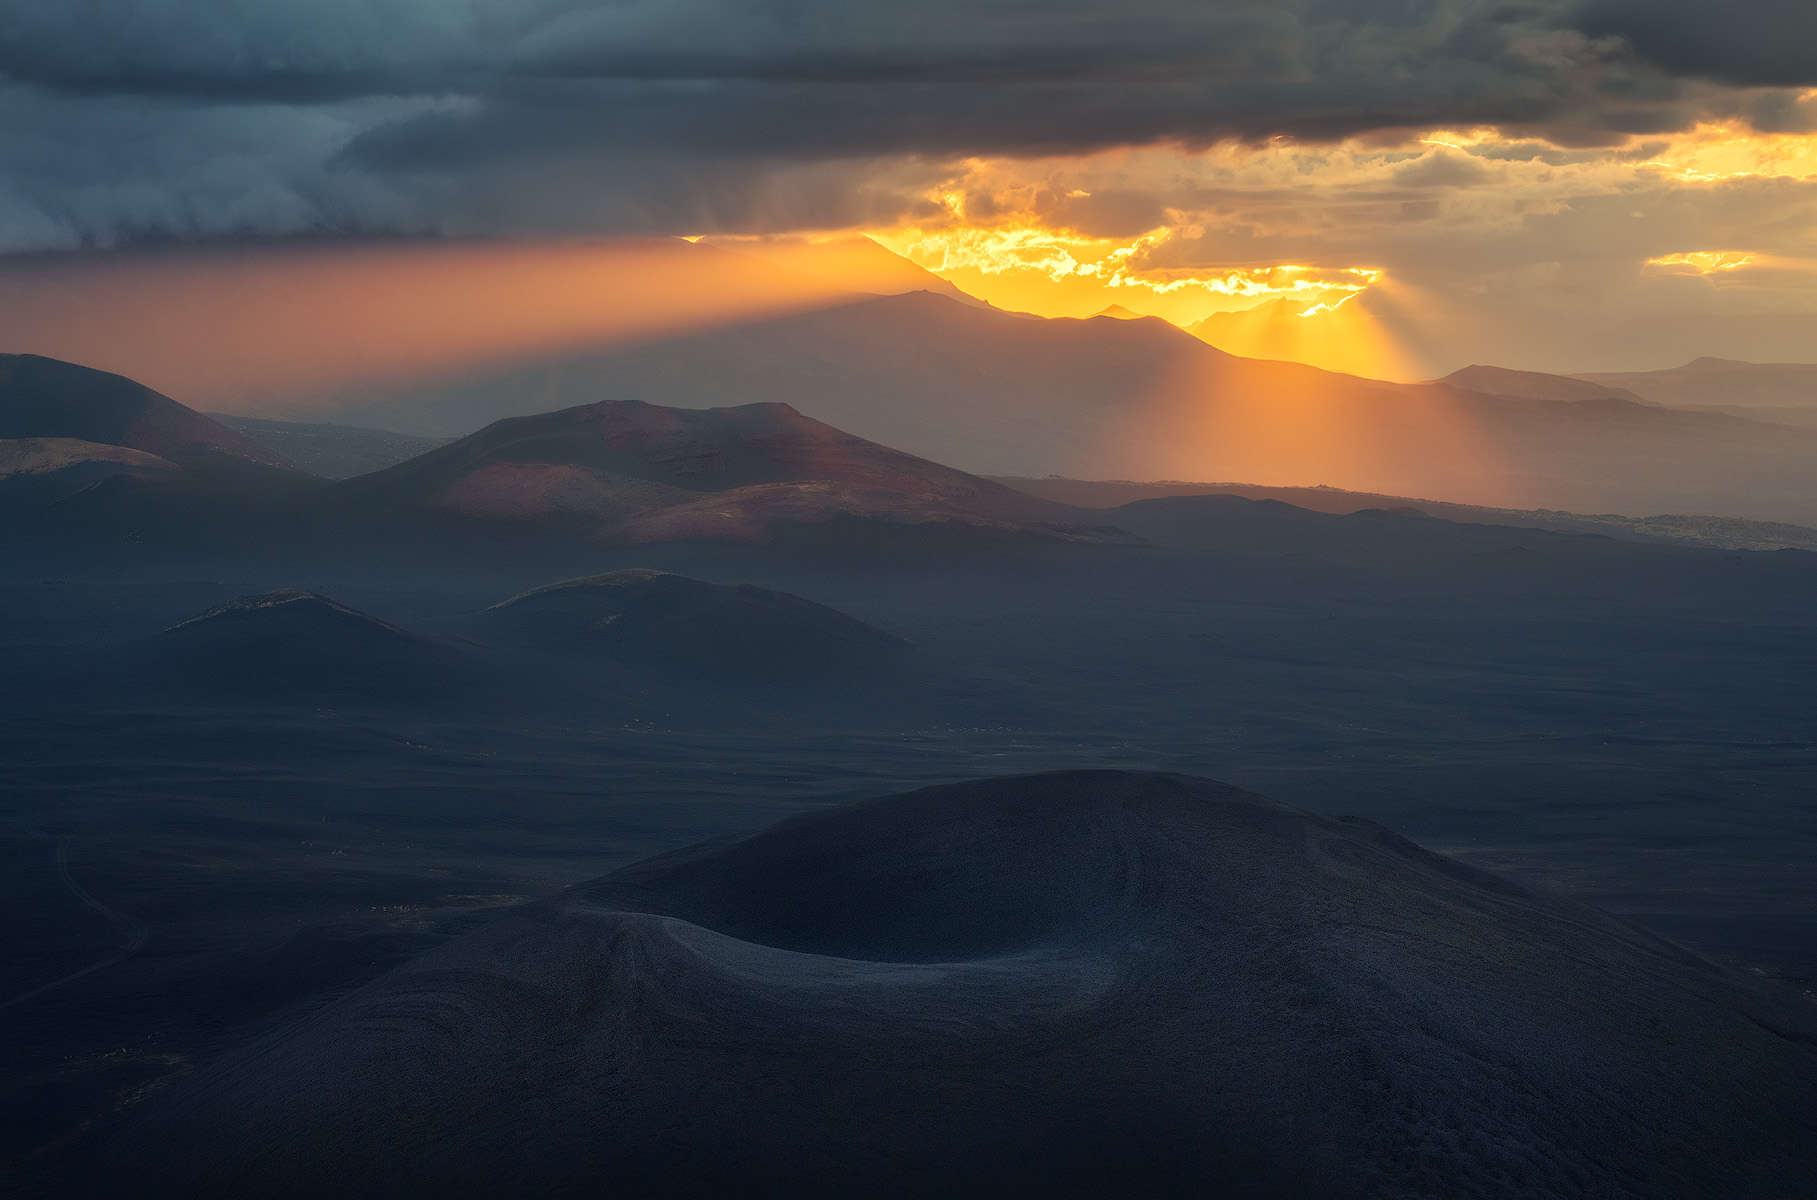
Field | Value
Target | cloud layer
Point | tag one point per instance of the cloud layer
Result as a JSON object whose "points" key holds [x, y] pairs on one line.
{"points": [[196, 118]]}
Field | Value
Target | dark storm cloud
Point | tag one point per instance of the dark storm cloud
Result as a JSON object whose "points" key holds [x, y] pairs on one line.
{"points": [[515, 114], [1745, 42]]}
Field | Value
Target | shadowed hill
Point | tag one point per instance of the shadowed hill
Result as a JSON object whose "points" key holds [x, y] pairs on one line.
{"points": [[46, 398], [95, 468], [297, 646], [1075, 985], [676, 626], [633, 472]]}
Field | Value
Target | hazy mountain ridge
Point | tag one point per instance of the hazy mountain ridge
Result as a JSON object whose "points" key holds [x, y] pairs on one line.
{"points": [[1782, 393], [643, 473], [1769, 393], [332, 451], [691, 629], [1535, 385], [998, 394], [1721, 533]]}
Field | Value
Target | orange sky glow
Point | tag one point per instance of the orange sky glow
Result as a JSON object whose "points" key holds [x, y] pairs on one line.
{"points": [[1145, 230], [1017, 233]]}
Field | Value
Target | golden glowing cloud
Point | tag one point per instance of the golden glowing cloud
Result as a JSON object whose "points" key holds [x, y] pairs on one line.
{"points": [[1713, 153], [1015, 260], [1704, 262], [1405, 258]]}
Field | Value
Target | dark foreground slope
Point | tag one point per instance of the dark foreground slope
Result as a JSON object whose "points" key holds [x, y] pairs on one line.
{"points": [[1085, 984]]}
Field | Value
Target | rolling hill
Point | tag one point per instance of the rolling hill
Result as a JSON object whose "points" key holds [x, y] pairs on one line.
{"points": [[47, 398], [293, 646], [629, 472], [676, 627]]}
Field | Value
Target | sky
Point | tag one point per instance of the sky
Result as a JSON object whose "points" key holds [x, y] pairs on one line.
{"points": [[1396, 187]]}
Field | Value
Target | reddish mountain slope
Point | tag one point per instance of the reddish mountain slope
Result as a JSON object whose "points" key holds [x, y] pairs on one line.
{"points": [[629, 471], [47, 398]]}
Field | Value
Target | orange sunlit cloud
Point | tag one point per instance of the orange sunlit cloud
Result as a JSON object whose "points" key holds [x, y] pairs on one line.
{"points": [[238, 328], [1152, 230], [1055, 273], [1704, 262]]}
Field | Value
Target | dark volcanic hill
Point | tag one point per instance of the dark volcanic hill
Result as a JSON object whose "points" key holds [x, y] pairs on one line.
{"points": [[627, 471], [297, 646], [1001, 394], [690, 628], [1086, 984], [46, 398]]}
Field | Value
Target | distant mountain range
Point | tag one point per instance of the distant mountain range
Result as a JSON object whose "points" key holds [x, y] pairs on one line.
{"points": [[996, 393], [977, 382], [332, 451], [615, 472], [1721, 533], [1537, 385], [1781, 393], [1774, 393]]}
